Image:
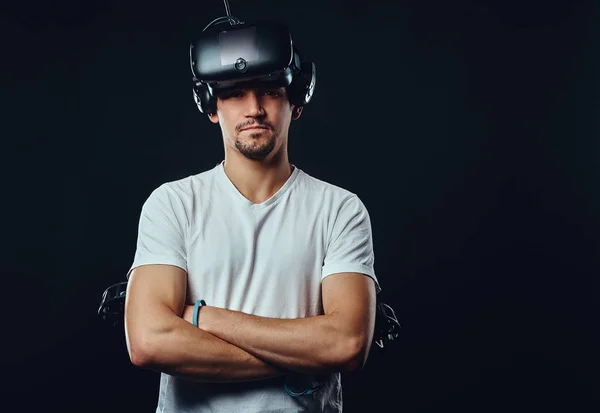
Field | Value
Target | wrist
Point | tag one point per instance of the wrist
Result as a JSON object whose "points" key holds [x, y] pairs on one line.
{"points": [[199, 303], [205, 315], [216, 321], [191, 314]]}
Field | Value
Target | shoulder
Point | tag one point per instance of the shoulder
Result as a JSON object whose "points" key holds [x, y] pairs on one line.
{"points": [[333, 196], [180, 194], [186, 187]]}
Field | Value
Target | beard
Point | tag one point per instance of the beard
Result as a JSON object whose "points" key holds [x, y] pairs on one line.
{"points": [[255, 147]]}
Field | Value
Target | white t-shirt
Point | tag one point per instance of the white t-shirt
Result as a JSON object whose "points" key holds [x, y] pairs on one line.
{"points": [[265, 259]]}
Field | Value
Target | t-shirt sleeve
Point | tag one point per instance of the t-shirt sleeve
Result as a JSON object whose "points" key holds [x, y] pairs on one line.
{"points": [[161, 231], [350, 247]]}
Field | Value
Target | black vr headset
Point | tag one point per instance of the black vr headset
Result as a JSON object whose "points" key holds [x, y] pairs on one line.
{"points": [[260, 54]]}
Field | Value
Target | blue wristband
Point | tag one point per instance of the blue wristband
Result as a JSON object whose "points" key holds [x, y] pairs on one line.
{"points": [[198, 304]]}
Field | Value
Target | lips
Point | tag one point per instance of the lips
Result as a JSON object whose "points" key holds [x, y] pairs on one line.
{"points": [[255, 127]]}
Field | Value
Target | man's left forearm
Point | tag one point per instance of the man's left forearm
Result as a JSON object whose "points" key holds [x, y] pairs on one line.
{"points": [[312, 345]]}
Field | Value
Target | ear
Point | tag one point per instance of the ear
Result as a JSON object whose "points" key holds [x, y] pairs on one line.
{"points": [[296, 112], [214, 118]]}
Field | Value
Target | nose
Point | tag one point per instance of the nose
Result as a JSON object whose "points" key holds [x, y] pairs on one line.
{"points": [[254, 107]]}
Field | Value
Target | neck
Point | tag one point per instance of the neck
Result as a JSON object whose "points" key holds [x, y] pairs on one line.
{"points": [[257, 180]]}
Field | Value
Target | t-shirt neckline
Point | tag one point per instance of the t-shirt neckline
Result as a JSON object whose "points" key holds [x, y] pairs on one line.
{"points": [[245, 201]]}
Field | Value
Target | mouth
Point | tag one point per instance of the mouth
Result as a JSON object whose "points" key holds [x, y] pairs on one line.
{"points": [[255, 128]]}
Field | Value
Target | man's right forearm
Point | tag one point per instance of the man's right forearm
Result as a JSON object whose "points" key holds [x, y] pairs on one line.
{"points": [[185, 351]]}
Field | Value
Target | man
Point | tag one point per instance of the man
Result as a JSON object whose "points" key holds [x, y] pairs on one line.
{"points": [[284, 262]]}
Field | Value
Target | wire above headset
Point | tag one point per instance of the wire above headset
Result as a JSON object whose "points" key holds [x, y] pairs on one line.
{"points": [[219, 20], [232, 19]]}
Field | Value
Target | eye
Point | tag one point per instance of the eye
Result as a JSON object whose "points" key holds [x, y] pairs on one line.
{"points": [[275, 93], [234, 94]]}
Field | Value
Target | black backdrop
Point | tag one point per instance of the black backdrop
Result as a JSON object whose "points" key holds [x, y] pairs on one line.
{"points": [[468, 128]]}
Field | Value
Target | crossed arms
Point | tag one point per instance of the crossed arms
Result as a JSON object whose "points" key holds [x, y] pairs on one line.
{"points": [[231, 346]]}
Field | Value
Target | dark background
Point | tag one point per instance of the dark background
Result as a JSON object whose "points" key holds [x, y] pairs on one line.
{"points": [[468, 128]]}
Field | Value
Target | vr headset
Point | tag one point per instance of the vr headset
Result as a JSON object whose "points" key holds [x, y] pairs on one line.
{"points": [[258, 54]]}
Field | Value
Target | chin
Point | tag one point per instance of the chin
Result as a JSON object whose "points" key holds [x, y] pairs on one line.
{"points": [[255, 151], [256, 157]]}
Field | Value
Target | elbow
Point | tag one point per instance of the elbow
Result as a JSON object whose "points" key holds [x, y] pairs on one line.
{"points": [[147, 342], [140, 349], [355, 355], [139, 354], [340, 358]]}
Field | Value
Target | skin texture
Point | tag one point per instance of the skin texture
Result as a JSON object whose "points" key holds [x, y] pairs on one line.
{"points": [[340, 340]]}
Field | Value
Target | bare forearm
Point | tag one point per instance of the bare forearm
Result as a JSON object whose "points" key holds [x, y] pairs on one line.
{"points": [[313, 345], [185, 351]]}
